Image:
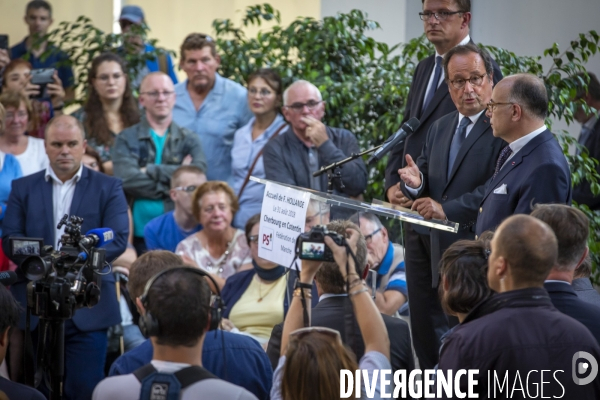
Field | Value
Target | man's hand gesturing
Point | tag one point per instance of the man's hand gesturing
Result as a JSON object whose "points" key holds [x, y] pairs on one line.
{"points": [[410, 174]]}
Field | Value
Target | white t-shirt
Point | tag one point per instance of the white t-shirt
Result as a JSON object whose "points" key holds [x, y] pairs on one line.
{"points": [[34, 158], [127, 387]]}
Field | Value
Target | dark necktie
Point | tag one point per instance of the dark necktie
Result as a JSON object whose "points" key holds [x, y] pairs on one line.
{"points": [[457, 141], [504, 154], [434, 84]]}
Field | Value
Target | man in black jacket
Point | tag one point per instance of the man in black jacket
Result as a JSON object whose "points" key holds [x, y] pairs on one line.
{"points": [[520, 343], [571, 228], [334, 311]]}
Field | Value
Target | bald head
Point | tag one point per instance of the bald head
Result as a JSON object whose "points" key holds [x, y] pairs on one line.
{"points": [[148, 81], [157, 96], [530, 92], [528, 246], [64, 122]]}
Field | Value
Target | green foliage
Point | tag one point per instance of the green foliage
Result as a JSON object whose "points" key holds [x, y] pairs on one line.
{"points": [[82, 41], [364, 82]]}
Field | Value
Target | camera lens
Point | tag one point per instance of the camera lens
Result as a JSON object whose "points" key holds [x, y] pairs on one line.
{"points": [[34, 268]]}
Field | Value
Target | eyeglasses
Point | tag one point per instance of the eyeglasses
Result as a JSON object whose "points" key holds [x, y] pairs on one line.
{"points": [[156, 95], [369, 238], [298, 334], [476, 80], [440, 16], [491, 106], [298, 107], [253, 238], [261, 93], [20, 115], [187, 189]]}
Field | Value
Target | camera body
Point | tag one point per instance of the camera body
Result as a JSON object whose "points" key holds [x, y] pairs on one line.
{"points": [[311, 245], [61, 280]]}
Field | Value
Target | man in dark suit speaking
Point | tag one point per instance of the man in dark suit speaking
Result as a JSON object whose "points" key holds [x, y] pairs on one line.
{"points": [[448, 180], [36, 204], [532, 169]]}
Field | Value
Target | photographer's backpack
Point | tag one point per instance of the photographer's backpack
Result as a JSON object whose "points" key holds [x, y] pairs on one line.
{"points": [[162, 386]]}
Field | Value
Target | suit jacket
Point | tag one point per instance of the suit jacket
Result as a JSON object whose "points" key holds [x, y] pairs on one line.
{"points": [[582, 193], [286, 161], [585, 291], [566, 301], [100, 201], [461, 194], [538, 173], [331, 313], [440, 105]]}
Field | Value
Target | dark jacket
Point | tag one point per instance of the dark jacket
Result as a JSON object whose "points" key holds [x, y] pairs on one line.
{"points": [[537, 174], [286, 161], [566, 301], [520, 330], [134, 149], [332, 312], [585, 291], [582, 193], [236, 286]]}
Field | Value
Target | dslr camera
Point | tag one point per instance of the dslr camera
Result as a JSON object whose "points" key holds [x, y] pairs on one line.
{"points": [[311, 245]]}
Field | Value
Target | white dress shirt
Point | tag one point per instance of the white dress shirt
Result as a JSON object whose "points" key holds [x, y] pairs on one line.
{"points": [[521, 142], [62, 197]]}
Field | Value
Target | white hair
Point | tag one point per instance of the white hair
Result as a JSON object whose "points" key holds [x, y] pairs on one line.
{"points": [[300, 82]]}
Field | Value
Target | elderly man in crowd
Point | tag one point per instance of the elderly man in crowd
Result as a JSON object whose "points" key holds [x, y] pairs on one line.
{"points": [[166, 231], [208, 104], [387, 259], [308, 145], [146, 154], [532, 168], [35, 206]]}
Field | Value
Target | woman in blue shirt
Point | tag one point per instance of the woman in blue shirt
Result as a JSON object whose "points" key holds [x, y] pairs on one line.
{"points": [[264, 99]]}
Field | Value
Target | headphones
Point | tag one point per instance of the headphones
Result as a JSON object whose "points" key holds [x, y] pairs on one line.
{"points": [[149, 326]]}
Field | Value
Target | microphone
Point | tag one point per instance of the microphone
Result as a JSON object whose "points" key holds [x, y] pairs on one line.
{"points": [[97, 237], [409, 127], [7, 278]]}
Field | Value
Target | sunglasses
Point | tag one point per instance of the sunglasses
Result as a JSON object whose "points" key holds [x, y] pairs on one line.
{"points": [[188, 189], [299, 334]]}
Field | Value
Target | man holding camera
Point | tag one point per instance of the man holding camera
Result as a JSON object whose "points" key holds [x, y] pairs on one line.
{"points": [[36, 204]]}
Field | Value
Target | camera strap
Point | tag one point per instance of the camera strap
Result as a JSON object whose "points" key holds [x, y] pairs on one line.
{"points": [[159, 385], [302, 298], [28, 364]]}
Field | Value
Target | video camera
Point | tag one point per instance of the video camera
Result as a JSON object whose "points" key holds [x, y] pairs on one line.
{"points": [[311, 245], [66, 279]]}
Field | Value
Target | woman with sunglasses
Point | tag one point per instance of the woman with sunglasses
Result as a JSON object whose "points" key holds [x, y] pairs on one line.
{"points": [[257, 299], [311, 358]]}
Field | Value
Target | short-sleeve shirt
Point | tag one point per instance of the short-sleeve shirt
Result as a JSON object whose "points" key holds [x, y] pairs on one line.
{"points": [[223, 112], [34, 158], [163, 233], [224, 266], [56, 59]]}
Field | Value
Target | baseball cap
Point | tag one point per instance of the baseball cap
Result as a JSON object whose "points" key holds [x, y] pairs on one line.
{"points": [[133, 14]]}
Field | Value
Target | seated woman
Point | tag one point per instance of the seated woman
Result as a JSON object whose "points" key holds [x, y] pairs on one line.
{"points": [[264, 99], [258, 299], [110, 106], [46, 105], [20, 118], [311, 358], [218, 248]]}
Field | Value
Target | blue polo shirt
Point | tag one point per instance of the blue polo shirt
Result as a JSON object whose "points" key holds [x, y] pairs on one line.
{"points": [[56, 59], [235, 358], [163, 233], [224, 111]]}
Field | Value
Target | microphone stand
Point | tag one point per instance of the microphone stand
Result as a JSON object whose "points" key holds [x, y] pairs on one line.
{"points": [[333, 171]]}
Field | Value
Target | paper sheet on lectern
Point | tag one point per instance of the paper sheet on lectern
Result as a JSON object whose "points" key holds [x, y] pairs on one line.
{"points": [[282, 219]]}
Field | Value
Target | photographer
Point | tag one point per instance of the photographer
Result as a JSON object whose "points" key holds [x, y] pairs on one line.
{"points": [[35, 206], [311, 358]]}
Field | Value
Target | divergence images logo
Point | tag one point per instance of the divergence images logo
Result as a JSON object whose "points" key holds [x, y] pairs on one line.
{"points": [[266, 240], [581, 368]]}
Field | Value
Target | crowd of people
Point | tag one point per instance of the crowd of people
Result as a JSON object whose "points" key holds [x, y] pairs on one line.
{"points": [[189, 307]]}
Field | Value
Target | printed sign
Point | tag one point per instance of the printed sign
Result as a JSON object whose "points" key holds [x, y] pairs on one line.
{"points": [[282, 219]]}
